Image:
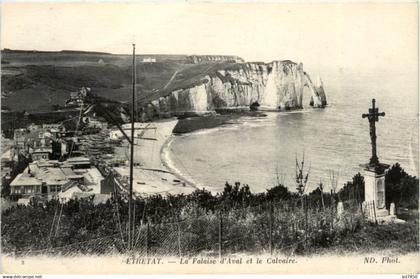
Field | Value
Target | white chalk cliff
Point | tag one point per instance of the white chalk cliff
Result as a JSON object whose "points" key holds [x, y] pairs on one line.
{"points": [[278, 85]]}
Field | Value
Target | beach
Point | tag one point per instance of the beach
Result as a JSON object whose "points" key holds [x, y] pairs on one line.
{"points": [[154, 172]]}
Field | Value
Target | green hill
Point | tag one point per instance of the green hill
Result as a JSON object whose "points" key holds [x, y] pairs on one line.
{"points": [[35, 81]]}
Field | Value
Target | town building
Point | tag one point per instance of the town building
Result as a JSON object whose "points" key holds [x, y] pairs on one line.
{"points": [[95, 122], [19, 138], [77, 97], [53, 126], [149, 60], [41, 154], [31, 138], [47, 178]]}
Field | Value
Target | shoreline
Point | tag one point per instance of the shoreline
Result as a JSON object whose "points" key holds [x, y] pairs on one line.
{"points": [[170, 166], [157, 172], [168, 163], [206, 123], [154, 172]]}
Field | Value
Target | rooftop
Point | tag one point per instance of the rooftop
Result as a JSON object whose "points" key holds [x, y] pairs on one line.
{"points": [[43, 150], [22, 179], [78, 160], [49, 172]]}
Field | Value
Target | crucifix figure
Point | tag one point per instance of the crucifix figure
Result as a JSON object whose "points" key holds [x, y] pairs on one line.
{"points": [[373, 116]]}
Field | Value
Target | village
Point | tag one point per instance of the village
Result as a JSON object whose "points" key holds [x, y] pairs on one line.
{"points": [[45, 162]]}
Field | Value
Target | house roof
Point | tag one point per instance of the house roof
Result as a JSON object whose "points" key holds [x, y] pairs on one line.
{"points": [[43, 150], [47, 172], [69, 185], [78, 160], [23, 179], [82, 195]]}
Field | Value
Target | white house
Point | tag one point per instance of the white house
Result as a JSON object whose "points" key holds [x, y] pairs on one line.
{"points": [[149, 60]]}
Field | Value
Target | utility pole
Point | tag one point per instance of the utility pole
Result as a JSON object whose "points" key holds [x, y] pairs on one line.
{"points": [[133, 110]]}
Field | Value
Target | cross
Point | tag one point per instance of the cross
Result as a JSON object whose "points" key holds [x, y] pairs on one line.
{"points": [[373, 116]]}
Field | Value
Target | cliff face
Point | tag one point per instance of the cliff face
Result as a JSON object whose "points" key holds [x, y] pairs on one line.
{"points": [[278, 85]]}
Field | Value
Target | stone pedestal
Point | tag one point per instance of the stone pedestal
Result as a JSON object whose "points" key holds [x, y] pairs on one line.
{"points": [[375, 201]]}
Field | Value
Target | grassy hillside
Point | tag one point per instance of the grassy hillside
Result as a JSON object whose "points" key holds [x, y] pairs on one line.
{"points": [[36, 81]]}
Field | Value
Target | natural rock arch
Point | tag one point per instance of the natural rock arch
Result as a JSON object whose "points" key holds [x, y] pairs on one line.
{"points": [[318, 97]]}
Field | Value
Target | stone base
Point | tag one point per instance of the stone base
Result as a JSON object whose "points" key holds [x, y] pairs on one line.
{"points": [[371, 213], [382, 213], [390, 219]]}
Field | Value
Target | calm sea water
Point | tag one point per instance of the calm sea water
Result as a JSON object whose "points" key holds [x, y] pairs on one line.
{"points": [[260, 151]]}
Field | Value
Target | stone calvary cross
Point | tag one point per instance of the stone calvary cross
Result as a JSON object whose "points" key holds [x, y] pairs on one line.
{"points": [[374, 174], [373, 116], [375, 204]]}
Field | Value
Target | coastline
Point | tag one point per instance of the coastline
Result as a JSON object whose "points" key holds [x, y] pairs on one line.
{"points": [[154, 172], [158, 173], [170, 166]]}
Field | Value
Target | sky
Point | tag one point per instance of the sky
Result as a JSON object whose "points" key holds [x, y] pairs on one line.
{"points": [[352, 37]]}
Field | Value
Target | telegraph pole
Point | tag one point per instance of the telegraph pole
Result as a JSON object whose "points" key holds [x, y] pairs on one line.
{"points": [[133, 111]]}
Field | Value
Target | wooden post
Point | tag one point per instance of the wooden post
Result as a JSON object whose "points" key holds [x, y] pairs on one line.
{"points": [[52, 226], [306, 220], [147, 239], [220, 235], [179, 239], [134, 224], [270, 216], [331, 197], [133, 106], [58, 222]]}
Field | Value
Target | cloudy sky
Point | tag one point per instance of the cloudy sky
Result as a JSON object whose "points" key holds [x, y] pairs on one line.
{"points": [[367, 37]]}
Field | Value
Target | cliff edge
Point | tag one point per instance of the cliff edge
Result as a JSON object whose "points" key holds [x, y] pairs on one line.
{"points": [[278, 86]]}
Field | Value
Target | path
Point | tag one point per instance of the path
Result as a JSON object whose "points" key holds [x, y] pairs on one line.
{"points": [[170, 80]]}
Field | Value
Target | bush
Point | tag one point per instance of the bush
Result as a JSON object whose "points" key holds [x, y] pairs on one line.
{"points": [[401, 188], [191, 224]]}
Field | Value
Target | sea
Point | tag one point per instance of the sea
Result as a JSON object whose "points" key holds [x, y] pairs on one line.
{"points": [[262, 152]]}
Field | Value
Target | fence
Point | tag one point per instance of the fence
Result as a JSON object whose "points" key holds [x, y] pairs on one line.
{"points": [[369, 210], [286, 227]]}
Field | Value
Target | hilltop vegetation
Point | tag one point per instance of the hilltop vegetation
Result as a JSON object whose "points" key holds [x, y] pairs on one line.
{"points": [[36, 81]]}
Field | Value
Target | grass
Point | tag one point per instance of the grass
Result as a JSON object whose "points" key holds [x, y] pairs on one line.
{"points": [[43, 79], [6, 204], [38, 80], [395, 238], [251, 223]]}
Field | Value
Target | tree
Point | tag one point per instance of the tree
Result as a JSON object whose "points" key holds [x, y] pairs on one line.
{"points": [[354, 190], [278, 193], [401, 188], [204, 199], [359, 187], [301, 179], [235, 196]]}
